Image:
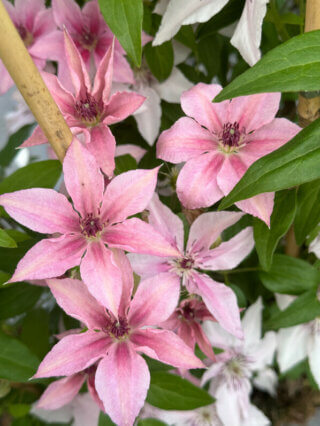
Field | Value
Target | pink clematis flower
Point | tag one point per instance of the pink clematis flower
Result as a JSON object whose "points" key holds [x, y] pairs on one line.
{"points": [[220, 142], [91, 110], [37, 29], [186, 322], [99, 218], [205, 230], [115, 342], [92, 36]]}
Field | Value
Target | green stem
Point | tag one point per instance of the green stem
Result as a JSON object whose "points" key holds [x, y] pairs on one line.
{"points": [[280, 27], [240, 270]]}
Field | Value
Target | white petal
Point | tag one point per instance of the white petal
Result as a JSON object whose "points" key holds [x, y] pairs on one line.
{"points": [[247, 36], [263, 352], [182, 12], [218, 337], [266, 380], [232, 404], [255, 417], [161, 7], [252, 323], [148, 116], [134, 150], [292, 346], [314, 247], [181, 52], [284, 300], [171, 89], [314, 357], [85, 410], [62, 415]]}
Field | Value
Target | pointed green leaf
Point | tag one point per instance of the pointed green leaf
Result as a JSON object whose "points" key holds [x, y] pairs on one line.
{"points": [[160, 59], [289, 275], [291, 67], [282, 216], [6, 240], [125, 20], [294, 163]]}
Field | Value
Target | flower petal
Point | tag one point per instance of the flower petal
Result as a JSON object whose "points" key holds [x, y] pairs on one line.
{"points": [[208, 227], [42, 210], [103, 77], [102, 276], [74, 353], [37, 137], [186, 139], [166, 222], [292, 346], [166, 347], [136, 236], [314, 357], [61, 392], [230, 253], [147, 266], [67, 13], [221, 302], [103, 147], [202, 340], [74, 298], [155, 300], [125, 268], [197, 182], [63, 97], [121, 105], [171, 89], [122, 382], [128, 194], [50, 258], [83, 179]]}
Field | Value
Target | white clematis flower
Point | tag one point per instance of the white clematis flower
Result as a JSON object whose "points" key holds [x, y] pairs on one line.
{"points": [[241, 361], [247, 36]]}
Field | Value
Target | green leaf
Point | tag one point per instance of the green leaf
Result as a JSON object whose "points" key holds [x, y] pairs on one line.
{"points": [[9, 151], [35, 332], [17, 363], [151, 422], [308, 210], [289, 275], [43, 174], [294, 163], [124, 163], [160, 59], [125, 21], [18, 298], [4, 277], [290, 67], [6, 240], [305, 308], [171, 392], [104, 420], [267, 239], [9, 258]]}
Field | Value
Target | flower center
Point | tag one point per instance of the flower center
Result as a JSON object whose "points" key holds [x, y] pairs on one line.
{"points": [[25, 35], [187, 312], [119, 328], [91, 226], [88, 110], [231, 134], [186, 263], [87, 39]]}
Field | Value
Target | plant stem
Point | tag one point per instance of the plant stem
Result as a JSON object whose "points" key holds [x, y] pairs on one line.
{"points": [[26, 76], [280, 27]]}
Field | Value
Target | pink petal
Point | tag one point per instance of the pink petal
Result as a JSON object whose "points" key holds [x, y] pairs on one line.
{"points": [[207, 228], [147, 266], [155, 300], [123, 264], [128, 194], [102, 276], [103, 77], [74, 298], [197, 182], [230, 253], [232, 170], [61, 392], [122, 382], [221, 302], [63, 98], [37, 138], [122, 71], [202, 340], [74, 353], [260, 206], [253, 111], [42, 210], [50, 258], [166, 222], [186, 139], [136, 236], [197, 103], [77, 68], [67, 12], [48, 46], [166, 347], [121, 105], [103, 146], [134, 150], [5, 80], [83, 179]]}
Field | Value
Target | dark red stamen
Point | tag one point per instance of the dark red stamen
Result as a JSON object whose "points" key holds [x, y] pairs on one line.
{"points": [[231, 134], [87, 109], [22, 31], [91, 226], [186, 263], [119, 328], [187, 312]]}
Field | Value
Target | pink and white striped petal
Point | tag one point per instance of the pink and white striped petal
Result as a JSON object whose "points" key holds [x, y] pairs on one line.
{"points": [[63, 97], [61, 392], [155, 300], [122, 382], [102, 276], [74, 353], [128, 194], [197, 182], [184, 140], [121, 105], [42, 210], [74, 298], [166, 347], [103, 78], [50, 258], [83, 179], [147, 266], [260, 205], [67, 13], [136, 236], [125, 268], [103, 147]]}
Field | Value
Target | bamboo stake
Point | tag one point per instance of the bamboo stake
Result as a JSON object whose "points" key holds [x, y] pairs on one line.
{"points": [[26, 76]]}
